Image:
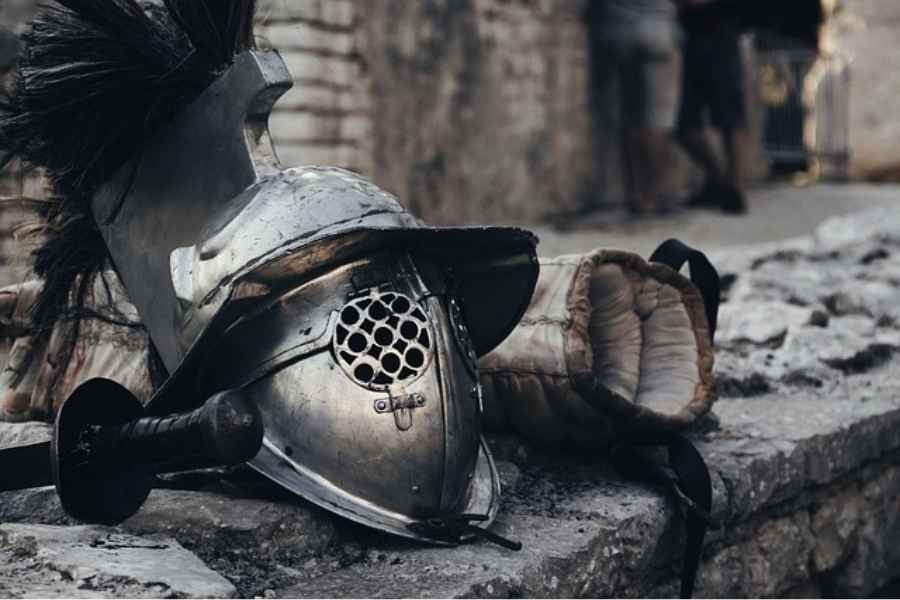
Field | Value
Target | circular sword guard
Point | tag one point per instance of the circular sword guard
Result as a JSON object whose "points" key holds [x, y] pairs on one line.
{"points": [[93, 488], [105, 453]]}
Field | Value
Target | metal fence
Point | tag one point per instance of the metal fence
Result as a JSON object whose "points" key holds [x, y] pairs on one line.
{"points": [[805, 111]]}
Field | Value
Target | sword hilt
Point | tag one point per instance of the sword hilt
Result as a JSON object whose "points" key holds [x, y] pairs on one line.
{"points": [[105, 452], [226, 430]]}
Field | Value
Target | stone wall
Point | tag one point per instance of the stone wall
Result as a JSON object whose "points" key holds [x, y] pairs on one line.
{"points": [[868, 34], [485, 110], [325, 118], [467, 110], [481, 106]]}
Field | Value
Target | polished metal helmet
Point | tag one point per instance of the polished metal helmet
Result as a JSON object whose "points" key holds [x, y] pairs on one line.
{"points": [[352, 326]]}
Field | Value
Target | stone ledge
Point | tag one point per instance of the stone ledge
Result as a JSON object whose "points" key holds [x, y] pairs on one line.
{"points": [[92, 562], [804, 449]]}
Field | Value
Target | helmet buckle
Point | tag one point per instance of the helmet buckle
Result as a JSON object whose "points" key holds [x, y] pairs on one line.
{"points": [[402, 407]]}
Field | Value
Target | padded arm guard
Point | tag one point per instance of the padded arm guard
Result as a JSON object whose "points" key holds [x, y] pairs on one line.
{"points": [[610, 342]]}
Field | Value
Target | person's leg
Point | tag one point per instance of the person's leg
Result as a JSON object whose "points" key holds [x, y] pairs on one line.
{"points": [[631, 158], [737, 142], [691, 129], [651, 81], [696, 144], [663, 76], [728, 112], [632, 100]]}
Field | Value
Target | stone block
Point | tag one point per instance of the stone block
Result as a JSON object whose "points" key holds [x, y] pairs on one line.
{"points": [[81, 562], [21, 434], [302, 35], [331, 70], [834, 527], [875, 560], [334, 13], [322, 99], [299, 127]]}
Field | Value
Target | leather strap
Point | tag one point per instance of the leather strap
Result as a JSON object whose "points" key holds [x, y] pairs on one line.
{"points": [[674, 253], [686, 478]]}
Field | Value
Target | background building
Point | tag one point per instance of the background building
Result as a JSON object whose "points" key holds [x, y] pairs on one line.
{"points": [[480, 110]]}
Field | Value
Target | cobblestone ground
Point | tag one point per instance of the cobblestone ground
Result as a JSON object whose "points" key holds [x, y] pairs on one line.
{"points": [[776, 212]]}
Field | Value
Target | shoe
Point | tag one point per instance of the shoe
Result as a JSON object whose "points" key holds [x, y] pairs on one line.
{"points": [[705, 197], [732, 201]]}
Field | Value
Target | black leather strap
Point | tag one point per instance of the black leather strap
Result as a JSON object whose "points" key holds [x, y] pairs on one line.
{"points": [[686, 478], [674, 253]]}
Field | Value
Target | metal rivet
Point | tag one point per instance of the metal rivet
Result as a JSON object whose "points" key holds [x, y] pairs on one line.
{"points": [[381, 405], [415, 489], [420, 400]]}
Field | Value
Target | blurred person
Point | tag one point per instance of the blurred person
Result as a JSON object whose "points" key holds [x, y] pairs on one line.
{"points": [[713, 87], [635, 43]]}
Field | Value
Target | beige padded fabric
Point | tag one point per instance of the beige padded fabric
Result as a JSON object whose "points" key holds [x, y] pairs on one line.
{"points": [[40, 374], [608, 342]]}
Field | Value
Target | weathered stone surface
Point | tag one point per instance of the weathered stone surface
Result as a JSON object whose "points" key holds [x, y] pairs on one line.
{"points": [[21, 434], [37, 505], [835, 526], [804, 451], [83, 562], [245, 539], [877, 555], [764, 323]]}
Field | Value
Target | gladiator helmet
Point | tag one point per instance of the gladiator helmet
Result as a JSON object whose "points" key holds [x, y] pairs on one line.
{"points": [[353, 327]]}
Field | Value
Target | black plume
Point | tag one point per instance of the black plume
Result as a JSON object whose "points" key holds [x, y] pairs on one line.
{"points": [[95, 80]]}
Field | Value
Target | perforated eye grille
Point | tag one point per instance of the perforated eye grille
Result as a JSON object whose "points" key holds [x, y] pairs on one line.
{"points": [[382, 338]]}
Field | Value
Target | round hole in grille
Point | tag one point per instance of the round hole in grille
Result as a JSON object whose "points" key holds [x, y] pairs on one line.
{"points": [[349, 316], [391, 362], [382, 338], [378, 311], [364, 372], [415, 358], [400, 305], [409, 330], [357, 343]]}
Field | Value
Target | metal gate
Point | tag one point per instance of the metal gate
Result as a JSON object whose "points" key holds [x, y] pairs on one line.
{"points": [[805, 111]]}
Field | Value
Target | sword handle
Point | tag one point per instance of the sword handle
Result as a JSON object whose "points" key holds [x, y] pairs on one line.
{"points": [[226, 430], [104, 452]]}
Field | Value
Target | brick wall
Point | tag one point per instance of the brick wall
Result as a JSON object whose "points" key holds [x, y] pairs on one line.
{"points": [[468, 110], [325, 118]]}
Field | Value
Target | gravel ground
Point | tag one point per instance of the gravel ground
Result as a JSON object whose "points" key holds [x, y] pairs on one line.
{"points": [[775, 212]]}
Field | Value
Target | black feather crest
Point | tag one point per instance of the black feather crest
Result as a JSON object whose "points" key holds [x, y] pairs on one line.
{"points": [[95, 80]]}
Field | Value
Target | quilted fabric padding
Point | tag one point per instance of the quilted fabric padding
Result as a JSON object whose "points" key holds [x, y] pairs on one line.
{"points": [[609, 342]]}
